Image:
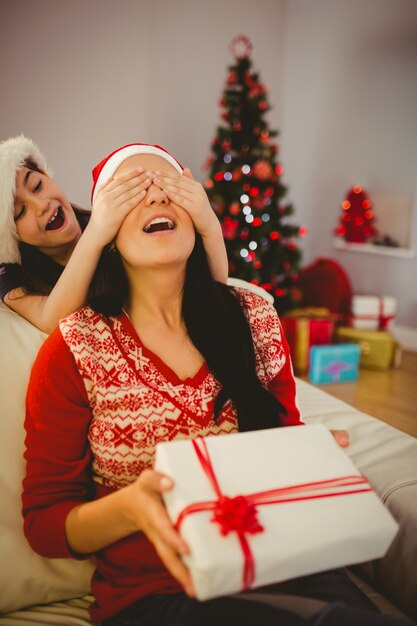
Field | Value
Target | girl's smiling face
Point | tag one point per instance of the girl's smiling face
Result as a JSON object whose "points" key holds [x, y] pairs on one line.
{"points": [[157, 232], [43, 216]]}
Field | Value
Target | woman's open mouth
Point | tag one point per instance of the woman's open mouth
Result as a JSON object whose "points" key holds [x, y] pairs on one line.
{"points": [[158, 224], [57, 220]]}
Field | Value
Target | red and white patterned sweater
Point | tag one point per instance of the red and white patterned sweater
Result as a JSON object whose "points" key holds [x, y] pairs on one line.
{"points": [[93, 378]]}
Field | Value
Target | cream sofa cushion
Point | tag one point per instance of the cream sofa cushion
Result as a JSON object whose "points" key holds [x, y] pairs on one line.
{"points": [[25, 577]]}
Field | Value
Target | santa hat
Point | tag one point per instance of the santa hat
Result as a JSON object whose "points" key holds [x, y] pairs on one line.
{"points": [[13, 153], [106, 168]]}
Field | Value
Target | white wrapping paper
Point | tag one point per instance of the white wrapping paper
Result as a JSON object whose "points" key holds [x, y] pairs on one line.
{"points": [[299, 538], [373, 312]]}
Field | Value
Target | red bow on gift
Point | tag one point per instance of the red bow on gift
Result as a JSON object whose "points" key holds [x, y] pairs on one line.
{"points": [[239, 514]]}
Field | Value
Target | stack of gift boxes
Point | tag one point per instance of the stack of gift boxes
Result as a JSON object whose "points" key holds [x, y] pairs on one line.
{"points": [[331, 349]]}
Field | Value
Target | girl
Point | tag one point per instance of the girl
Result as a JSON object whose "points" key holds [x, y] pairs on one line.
{"points": [[49, 249], [164, 352]]}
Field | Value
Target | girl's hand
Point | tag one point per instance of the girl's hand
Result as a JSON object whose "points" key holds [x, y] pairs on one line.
{"points": [[190, 195], [115, 199], [341, 437], [150, 515]]}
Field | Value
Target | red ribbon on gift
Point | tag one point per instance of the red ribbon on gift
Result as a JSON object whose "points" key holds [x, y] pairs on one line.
{"points": [[383, 320], [239, 514]]}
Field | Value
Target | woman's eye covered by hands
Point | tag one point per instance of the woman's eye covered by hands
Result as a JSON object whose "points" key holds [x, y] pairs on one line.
{"points": [[190, 195], [153, 520], [116, 198]]}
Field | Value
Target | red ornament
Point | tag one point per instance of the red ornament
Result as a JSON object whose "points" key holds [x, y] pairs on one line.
{"points": [[237, 126], [256, 90], [273, 235], [244, 234], [266, 286], [263, 105], [269, 191], [303, 230], [240, 47], [218, 176], [257, 264], [279, 293], [257, 221], [279, 170], [232, 78], [237, 174], [249, 79], [254, 191], [208, 183], [262, 170], [258, 203], [234, 208]]}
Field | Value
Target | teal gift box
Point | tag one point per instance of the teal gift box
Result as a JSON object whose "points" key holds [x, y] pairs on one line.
{"points": [[334, 363]]}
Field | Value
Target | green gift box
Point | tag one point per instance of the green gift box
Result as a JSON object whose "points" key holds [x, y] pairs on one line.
{"points": [[378, 347]]}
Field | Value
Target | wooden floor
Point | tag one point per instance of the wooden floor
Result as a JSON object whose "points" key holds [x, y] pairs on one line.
{"points": [[391, 396]]}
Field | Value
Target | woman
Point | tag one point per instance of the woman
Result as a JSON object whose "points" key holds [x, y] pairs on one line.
{"points": [[163, 353], [49, 249]]}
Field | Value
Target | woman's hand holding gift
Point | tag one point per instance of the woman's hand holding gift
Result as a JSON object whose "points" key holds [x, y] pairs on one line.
{"points": [[149, 515]]}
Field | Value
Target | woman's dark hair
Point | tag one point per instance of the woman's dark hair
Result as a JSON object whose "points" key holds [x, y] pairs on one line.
{"points": [[38, 273], [216, 324]]}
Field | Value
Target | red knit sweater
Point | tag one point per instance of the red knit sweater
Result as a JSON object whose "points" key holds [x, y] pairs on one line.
{"points": [[98, 402]]}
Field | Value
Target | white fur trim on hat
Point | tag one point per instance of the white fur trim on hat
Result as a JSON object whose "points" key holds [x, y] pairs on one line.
{"points": [[13, 153], [117, 158]]}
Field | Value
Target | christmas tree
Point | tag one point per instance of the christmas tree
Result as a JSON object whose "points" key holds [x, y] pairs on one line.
{"points": [[357, 217], [245, 189]]}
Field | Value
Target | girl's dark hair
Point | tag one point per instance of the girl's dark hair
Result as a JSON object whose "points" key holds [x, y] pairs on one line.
{"points": [[216, 324], [38, 273]]}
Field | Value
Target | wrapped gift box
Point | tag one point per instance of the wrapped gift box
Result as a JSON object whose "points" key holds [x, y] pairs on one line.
{"points": [[334, 364], [378, 347], [373, 312], [266, 506], [304, 328]]}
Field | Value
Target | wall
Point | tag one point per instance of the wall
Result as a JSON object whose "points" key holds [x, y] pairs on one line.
{"points": [[349, 116], [82, 78]]}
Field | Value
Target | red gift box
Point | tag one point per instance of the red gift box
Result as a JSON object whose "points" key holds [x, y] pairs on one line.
{"points": [[304, 328]]}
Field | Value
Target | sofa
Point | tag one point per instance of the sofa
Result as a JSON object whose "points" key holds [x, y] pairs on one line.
{"points": [[39, 591]]}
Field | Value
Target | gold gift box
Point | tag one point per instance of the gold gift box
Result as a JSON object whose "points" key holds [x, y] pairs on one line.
{"points": [[379, 349]]}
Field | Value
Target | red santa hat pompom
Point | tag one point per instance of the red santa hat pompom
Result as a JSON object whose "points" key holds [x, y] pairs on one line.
{"points": [[107, 167], [13, 154]]}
